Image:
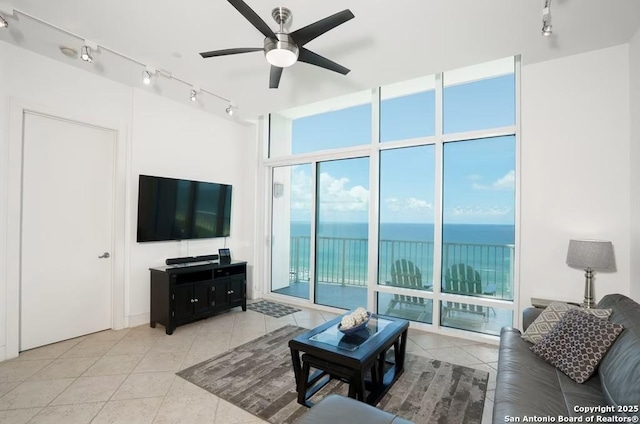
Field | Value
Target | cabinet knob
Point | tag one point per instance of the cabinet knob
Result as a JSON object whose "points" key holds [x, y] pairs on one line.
{"points": [[195, 300], [191, 300]]}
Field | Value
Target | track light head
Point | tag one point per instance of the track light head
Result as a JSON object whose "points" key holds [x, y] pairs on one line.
{"points": [[85, 54], [229, 110], [146, 77], [194, 95], [546, 19], [3, 22]]}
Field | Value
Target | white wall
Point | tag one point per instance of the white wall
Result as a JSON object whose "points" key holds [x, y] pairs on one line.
{"points": [[634, 73], [33, 79], [575, 173], [161, 137], [172, 140], [4, 164]]}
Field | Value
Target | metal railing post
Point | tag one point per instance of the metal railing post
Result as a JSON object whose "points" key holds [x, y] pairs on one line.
{"points": [[344, 259], [297, 259]]}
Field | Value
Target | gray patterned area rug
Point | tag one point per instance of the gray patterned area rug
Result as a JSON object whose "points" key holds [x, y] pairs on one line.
{"points": [[272, 309], [258, 377]]}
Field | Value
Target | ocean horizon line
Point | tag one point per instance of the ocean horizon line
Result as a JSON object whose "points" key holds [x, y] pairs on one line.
{"points": [[404, 223]]}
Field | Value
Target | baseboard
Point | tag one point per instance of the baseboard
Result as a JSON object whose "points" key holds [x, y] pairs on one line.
{"points": [[136, 320], [4, 355]]}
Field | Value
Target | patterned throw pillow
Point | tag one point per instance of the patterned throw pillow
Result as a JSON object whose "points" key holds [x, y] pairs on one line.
{"points": [[577, 344], [552, 315]]}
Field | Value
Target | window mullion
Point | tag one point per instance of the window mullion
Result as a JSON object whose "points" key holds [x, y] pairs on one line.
{"points": [[374, 201], [437, 228]]}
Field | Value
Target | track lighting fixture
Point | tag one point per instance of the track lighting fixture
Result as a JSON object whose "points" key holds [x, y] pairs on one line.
{"points": [[85, 54], [146, 77], [5, 11], [546, 19], [148, 74], [89, 48]]}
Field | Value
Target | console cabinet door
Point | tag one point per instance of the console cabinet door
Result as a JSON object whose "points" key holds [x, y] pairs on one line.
{"points": [[235, 291], [220, 295], [183, 302], [201, 293]]}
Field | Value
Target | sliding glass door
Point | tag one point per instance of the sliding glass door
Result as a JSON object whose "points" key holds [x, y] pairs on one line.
{"points": [[342, 233]]}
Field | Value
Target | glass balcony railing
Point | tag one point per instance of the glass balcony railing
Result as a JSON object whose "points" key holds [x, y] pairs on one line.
{"points": [[344, 261]]}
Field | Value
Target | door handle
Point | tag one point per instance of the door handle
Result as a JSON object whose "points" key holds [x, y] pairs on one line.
{"points": [[104, 255]]}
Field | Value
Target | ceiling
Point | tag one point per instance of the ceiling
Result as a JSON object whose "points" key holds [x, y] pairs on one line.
{"points": [[383, 44]]}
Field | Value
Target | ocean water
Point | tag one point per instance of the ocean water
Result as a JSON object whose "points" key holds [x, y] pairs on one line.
{"points": [[342, 251]]}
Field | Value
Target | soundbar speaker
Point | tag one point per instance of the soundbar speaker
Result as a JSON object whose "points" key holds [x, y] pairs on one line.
{"points": [[187, 259]]}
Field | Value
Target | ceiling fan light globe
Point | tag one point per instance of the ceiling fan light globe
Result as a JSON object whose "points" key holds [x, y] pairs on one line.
{"points": [[282, 52], [281, 58]]}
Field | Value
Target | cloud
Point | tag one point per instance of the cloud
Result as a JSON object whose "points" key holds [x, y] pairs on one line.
{"points": [[335, 193], [409, 204], [506, 182], [337, 196], [301, 190], [478, 211]]}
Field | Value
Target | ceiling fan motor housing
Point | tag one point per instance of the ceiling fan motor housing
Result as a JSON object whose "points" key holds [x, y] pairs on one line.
{"points": [[283, 52]]}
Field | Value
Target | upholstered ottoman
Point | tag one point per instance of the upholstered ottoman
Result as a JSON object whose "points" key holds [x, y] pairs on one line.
{"points": [[339, 409]]}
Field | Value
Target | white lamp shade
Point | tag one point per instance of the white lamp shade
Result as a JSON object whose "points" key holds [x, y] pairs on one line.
{"points": [[594, 254]]}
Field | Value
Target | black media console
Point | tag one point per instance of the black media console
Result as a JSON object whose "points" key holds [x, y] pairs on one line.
{"points": [[185, 293]]}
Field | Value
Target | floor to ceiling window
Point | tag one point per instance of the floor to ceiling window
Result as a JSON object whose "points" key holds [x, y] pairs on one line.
{"points": [[291, 230], [401, 199], [342, 233]]}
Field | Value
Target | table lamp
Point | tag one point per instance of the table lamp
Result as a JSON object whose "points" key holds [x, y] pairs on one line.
{"points": [[590, 255]]}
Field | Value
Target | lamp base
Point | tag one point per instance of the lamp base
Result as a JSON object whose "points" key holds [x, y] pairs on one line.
{"points": [[588, 302]]}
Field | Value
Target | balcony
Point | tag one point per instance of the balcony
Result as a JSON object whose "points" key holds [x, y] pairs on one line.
{"points": [[342, 276]]}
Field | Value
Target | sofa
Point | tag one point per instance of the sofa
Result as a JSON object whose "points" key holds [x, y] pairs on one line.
{"points": [[335, 409], [527, 386]]}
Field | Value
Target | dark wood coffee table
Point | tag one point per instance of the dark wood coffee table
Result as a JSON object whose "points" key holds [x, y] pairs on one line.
{"points": [[349, 358]]}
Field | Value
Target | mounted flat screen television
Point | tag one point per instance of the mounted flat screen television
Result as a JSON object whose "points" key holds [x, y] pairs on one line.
{"points": [[172, 209]]}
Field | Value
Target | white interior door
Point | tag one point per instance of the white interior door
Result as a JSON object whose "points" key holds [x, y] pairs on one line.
{"points": [[67, 223]]}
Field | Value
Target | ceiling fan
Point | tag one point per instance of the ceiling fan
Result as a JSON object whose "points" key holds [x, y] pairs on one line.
{"points": [[282, 49]]}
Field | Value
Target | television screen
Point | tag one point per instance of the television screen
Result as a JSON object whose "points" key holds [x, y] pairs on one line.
{"points": [[172, 209]]}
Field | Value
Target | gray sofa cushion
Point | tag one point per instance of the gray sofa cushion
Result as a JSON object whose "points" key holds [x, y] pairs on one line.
{"points": [[336, 409], [620, 368]]}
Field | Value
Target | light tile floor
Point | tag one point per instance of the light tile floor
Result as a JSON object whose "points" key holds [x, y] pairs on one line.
{"points": [[128, 376]]}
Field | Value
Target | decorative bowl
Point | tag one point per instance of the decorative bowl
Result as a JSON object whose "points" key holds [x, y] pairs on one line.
{"points": [[356, 328]]}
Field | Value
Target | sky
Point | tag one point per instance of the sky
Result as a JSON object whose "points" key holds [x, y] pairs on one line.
{"points": [[479, 175]]}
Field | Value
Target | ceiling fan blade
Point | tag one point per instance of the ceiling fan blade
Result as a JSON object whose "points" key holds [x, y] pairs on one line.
{"points": [[274, 76], [303, 35], [253, 17], [231, 51], [307, 56]]}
